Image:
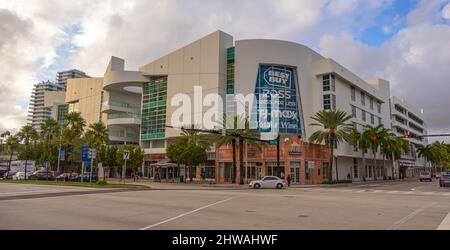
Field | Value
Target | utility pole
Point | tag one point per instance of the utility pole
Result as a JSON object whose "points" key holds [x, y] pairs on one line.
{"points": [[278, 157], [241, 160], [233, 177]]}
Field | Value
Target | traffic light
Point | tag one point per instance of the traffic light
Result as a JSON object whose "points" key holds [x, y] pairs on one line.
{"points": [[375, 138]]}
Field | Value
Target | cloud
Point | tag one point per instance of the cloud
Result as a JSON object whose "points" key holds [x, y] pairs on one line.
{"points": [[37, 40], [446, 12]]}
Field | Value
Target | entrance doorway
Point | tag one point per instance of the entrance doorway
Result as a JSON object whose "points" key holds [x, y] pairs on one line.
{"points": [[295, 172]]}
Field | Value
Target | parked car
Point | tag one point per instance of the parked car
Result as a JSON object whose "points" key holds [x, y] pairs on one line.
{"points": [[9, 175], [85, 178], [268, 182], [426, 176], [42, 175], [19, 176], [444, 181]]}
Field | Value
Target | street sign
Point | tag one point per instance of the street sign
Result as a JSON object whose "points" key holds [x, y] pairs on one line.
{"points": [[62, 155], [310, 164], [126, 155], [92, 153]]}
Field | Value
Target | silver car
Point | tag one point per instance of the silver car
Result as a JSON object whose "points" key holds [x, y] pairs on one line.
{"points": [[268, 182], [425, 176]]}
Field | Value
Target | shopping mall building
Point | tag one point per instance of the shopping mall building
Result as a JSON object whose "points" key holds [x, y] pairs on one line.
{"points": [[138, 105]]}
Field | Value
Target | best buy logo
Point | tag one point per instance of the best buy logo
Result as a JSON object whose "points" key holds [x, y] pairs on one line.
{"points": [[278, 77]]}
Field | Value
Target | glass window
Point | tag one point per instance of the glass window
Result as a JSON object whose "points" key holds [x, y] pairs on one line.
{"points": [[333, 99], [372, 119], [353, 91], [327, 102], [354, 112], [371, 103], [379, 121], [329, 83], [379, 107], [363, 98], [364, 115]]}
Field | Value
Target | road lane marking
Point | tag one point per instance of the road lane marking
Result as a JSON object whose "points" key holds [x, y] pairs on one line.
{"points": [[397, 224], [188, 213], [361, 191], [445, 224]]}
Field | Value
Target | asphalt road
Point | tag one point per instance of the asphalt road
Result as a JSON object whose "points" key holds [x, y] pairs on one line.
{"points": [[394, 205]]}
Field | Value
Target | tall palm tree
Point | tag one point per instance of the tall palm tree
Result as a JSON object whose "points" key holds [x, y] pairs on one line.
{"points": [[396, 148], [240, 125], [48, 131], [376, 135], [96, 136], [360, 141], [425, 152], [335, 129], [27, 134], [12, 143], [73, 129]]}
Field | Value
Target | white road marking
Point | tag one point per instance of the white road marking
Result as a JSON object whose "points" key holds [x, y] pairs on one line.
{"points": [[445, 224], [397, 224], [361, 191], [188, 213], [31, 192]]}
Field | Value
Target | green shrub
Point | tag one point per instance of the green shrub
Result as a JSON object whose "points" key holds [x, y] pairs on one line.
{"points": [[102, 183]]}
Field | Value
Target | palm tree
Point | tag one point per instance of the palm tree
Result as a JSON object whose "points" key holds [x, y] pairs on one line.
{"points": [[425, 152], [97, 135], [241, 126], [360, 141], [27, 134], [73, 129], [335, 130], [12, 143], [396, 147], [48, 130]]}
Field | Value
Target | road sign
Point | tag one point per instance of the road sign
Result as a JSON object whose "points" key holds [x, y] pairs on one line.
{"points": [[92, 153], [126, 154], [62, 155]]}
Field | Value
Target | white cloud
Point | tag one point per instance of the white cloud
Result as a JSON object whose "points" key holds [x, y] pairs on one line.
{"points": [[446, 12], [141, 31]]}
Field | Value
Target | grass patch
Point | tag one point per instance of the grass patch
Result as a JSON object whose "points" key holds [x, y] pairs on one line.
{"points": [[101, 184], [337, 182]]}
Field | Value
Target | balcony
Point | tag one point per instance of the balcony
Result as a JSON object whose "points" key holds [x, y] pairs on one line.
{"points": [[123, 137], [124, 119], [120, 107]]}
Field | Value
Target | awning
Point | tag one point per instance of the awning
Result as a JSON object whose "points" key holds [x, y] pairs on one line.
{"points": [[163, 163]]}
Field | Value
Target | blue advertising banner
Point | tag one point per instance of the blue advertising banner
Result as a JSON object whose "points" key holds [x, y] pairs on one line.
{"points": [[278, 81]]}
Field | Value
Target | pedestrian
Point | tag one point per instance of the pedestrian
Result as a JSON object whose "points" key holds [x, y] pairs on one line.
{"points": [[348, 176], [289, 180]]}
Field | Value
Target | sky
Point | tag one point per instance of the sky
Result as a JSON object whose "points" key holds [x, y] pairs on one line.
{"points": [[404, 41]]}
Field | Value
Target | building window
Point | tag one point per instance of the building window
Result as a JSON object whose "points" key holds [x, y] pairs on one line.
{"points": [[354, 115], [379, 107], [327, 102], [371, 103], [73, 107], [329, 83], [372, 119], [363, 98], [333, 101], [364, 115], [272, 170], [353, 91], [154, 108], [230, 70], [325, 167], [355, 168], [379, 121]]}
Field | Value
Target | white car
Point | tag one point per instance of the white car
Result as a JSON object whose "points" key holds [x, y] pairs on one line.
{"points": [[19, 176], [268, 182], [425, 176]]}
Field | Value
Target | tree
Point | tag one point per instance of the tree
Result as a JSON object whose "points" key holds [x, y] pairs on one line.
{"points": [[71, 135], [361, 142], [182, 152], [396, 148], [136, 157], [240, 125], [96, 136], [27, 134], [376, 135], [48, 130], [335, 130], [425, 152], [12, 144]]}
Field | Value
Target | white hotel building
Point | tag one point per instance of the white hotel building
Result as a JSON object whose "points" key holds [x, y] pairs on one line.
{"points": [[227, 67]]}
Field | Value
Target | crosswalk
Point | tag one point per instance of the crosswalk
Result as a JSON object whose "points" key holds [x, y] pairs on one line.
{"points": [[381, 191]]}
